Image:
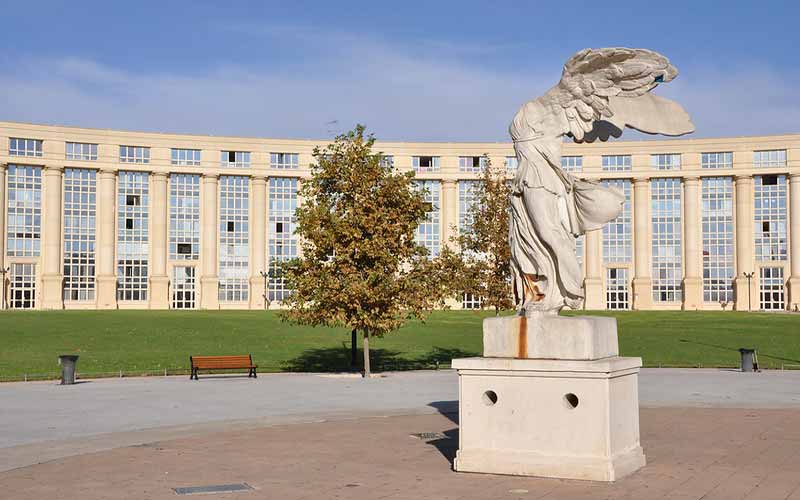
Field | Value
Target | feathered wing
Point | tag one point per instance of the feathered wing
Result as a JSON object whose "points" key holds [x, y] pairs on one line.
{"points": [[604, 90]]}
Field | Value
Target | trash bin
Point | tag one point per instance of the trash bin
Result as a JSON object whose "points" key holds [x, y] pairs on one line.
{"points": [[747, 359], [68, 362]]}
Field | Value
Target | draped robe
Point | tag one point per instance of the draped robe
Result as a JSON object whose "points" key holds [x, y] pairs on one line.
{"points": [[549, 209]]}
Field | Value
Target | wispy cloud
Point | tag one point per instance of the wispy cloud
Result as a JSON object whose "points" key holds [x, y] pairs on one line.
{"points": [[415, 91]]}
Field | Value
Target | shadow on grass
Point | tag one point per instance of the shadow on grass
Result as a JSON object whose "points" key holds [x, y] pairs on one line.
{"points": [[736, 349], [337, 359]]}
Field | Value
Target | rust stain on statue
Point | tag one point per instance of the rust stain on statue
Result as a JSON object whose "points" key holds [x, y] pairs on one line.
{"points": [[522, 351]]}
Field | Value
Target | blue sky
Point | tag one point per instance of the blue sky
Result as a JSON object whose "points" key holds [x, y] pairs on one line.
{"points": [[430, 71]]}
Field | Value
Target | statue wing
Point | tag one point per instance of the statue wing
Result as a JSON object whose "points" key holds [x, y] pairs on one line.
{"points": [[604, 90]]}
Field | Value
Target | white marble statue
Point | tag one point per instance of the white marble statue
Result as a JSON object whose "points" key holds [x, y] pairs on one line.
{"points": [[600, 93]]}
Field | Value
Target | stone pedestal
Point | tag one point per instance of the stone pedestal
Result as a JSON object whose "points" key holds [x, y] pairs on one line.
{"points": [[576, 417]]}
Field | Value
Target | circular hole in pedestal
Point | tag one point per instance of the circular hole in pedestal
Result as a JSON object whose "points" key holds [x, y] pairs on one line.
{"points": [[572, 400], [489, 398]]}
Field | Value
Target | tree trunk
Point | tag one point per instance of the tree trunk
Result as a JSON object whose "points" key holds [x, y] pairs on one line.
{"points": [[353, 349], [366, 355]]}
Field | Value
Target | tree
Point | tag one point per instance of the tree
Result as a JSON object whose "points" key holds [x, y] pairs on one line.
{"points": [[360, 266], [485, 253]]}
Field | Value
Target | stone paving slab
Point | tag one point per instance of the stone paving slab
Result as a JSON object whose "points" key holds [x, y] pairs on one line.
{"points": [[692, 453]]}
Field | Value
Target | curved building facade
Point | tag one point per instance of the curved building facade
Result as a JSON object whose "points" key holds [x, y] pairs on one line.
{"points": [[103, 219]]}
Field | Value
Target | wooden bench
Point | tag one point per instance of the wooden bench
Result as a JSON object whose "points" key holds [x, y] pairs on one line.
{"points": [[222, 363]]}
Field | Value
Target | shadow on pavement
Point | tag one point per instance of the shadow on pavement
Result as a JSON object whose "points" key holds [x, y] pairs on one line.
{"points": [[449, 445]]}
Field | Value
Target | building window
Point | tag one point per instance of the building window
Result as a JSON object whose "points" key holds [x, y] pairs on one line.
{"points": [[666, 228], [234, 228], [470, 301], [616, 163], [512, 165], [770, 217], [572, 163], [23, 286], [716, 160], [24, 228], [617, 242], [24, 147], [183, 287], [428, 230], [282, 241], [132, 235], [235, 159], [617, 288], [468, 192], [81, 151], [666, 161], [770, 158], [185, 157], [184, 217], [284, 160], [425, 163], [771, 289], [387, 161], [134, 154], [473, 164], [717, 214], [80, 216]]}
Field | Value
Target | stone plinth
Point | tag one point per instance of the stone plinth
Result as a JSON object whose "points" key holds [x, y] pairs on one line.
{"points": [[550, 337], [550, 418]]}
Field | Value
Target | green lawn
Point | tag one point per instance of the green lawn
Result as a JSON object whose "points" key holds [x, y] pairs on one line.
{"points": [[139, 342]]}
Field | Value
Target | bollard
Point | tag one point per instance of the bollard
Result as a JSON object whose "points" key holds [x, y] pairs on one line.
{"points": [[747, 359], [68, 363]]}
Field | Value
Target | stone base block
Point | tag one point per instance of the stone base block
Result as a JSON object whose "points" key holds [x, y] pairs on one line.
{"points": [[106, 292], [549, 418], [595, 295], [209, 292], [642, 289], [794, 293], [550, 337], [159, 292], [692, 294], [52, 289]]}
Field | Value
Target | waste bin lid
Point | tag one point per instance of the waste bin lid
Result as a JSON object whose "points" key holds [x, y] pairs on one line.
{"points": [[745, 350], [68, 357]]}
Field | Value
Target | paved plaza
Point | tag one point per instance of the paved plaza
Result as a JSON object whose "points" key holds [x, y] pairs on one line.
{"points": [[718, 433]]}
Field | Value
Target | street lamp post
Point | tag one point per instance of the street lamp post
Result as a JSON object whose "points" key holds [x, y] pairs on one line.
{"points": [[749, 276], [265, 276]]}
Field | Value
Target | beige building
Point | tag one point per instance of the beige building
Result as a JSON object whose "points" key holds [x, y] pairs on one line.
{"points": [[103, 219]]}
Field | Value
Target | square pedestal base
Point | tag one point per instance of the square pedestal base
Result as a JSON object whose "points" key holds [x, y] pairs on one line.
{"points": [[549, 418]]}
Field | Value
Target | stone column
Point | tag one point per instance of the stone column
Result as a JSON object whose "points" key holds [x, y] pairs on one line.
{"points": [[642, 283], [159, 208], [51, 296], [258, 240], [692, 254], [448, 220], [743, 233], [448, 215], [106, 211], [209, 279], [794, 242], [3, 276], [593, 283]]}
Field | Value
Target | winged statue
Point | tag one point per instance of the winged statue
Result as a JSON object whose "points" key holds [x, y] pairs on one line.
{"points": [[601, 92]]}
